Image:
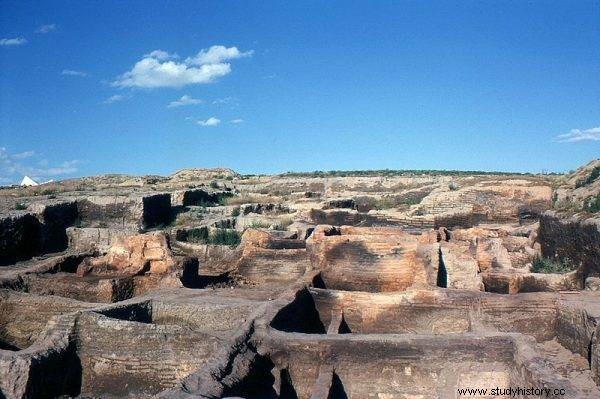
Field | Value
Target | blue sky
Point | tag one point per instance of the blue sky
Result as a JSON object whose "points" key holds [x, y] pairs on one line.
{"points": [[145, 87]]}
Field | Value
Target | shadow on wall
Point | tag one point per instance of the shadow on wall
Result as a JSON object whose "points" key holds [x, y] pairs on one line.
{"points": [[355, 268], [301, 315], [578, 242], [265, 380], [25, 236], [341, 218], [191, 277]]}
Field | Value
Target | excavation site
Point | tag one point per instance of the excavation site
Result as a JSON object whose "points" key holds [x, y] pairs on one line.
{"points": [[385, 285]]}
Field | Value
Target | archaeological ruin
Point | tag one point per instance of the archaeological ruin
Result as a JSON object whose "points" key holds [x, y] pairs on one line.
{"points": [[384, 285]]}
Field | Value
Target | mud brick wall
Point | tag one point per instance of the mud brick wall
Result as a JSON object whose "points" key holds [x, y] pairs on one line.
{"points": [[575, 328], [272, 265], [94, 238], [124, 358], [48, 369], [216, 316], [24, 316], [595, 356], [125, 211], [201, 197], [101, 211], [531, 314], [575, 240], [426, 312], [419, 367], [68, 285], [56, 218], [353, 263], [367, 313], [24, 235], [339, 218], [464, 220], [20, 238]]}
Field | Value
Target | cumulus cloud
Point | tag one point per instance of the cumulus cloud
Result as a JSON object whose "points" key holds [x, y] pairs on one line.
{"points": [[158, 69], [71, 72], [113, 99], [46, 28], [236, 121], [14, 166], [212, 121], [15, 41], [160, 55], [217, 54], [574, 135], [184, 100]]}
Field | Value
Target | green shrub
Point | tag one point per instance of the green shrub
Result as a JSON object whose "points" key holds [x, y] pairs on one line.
{"points": [[225, 237], [235, 212], [385, 203], [568, 205], [214, 184], [590, 179], [48, 191], [410, 201], [592, 204], [199, 235], [282, 225], [20, 207], [547, 265], [219, 237], [257, 224]]}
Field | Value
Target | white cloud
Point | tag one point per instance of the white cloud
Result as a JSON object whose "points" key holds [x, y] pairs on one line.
{"points": [[157, 69], [71, 72], [217, 54], [15, 41], [151, 73], [113, 99], [46, 28], [14, 166], [23, 155], [225, 101], [160, 55], [574, 135], [237, 121], [184, 100], [212, 121], [65, 168]]}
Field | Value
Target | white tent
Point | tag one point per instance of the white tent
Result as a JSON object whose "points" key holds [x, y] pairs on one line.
{"points": [[28, 181]]}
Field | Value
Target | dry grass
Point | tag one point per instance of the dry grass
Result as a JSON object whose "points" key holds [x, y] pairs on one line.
{"points": [[253, 199]]}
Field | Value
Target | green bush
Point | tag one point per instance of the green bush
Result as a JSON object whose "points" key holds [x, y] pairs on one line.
{"points": [[257, 224], [199, 235], [410, 201], [235, 212], [385, 203], [592, 204], [547, 265], [282, 225], [225, 237], [219, 237], [214, 184], [20, 207], [590, 179]]}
